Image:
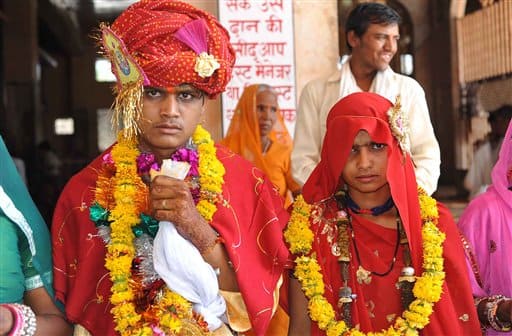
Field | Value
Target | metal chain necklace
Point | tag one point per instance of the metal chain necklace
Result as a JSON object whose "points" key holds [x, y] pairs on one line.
{"points": [[363, 274], [345, 294]]}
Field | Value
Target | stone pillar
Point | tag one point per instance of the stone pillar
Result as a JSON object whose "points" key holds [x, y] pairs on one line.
{"points": [[20, 49], [316, 40]]}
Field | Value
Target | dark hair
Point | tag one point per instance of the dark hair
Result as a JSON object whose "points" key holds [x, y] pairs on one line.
{"points": [[503, 112], [368, 13]]}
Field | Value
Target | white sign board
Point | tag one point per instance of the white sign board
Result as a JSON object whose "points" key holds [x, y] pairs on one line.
{"points": [[262, 36]]}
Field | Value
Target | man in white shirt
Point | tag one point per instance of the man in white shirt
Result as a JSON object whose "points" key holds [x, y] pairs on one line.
{"points": [[372, 35]]}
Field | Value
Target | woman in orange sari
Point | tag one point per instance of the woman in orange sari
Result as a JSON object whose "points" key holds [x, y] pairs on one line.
{"points": [[258, 133]]}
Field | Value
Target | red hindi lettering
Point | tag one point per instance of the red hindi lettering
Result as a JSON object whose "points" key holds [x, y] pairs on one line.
{"points": [[288, 114], [272, 48], [282, 71], [234, 26], [274, 24], [250, 25], [274, 4], [235, 5], [233, 92], [237, 26], [265, 71], [244, 49], [284, 91], [242, 71]]}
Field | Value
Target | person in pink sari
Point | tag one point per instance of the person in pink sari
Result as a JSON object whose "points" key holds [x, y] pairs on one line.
{"points": [[486, 225]]}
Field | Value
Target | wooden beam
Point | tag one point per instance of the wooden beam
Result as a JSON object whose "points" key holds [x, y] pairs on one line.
{"points": [[457, 9], [62, 26]]}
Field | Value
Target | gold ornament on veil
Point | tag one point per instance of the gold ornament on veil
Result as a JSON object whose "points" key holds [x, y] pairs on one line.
{"points": [[399, 124]]}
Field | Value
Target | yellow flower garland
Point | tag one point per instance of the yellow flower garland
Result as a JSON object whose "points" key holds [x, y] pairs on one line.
{"points": [[427, 289], [171, 308]]}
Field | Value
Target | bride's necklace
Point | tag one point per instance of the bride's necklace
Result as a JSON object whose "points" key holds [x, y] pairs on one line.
{"points": [[363, 275], [344, 201], [375, 211]]}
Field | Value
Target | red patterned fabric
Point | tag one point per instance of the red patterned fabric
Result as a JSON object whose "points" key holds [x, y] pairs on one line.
{"points": [[454, 314], [250, 225], [147, 29], [380, 299]]}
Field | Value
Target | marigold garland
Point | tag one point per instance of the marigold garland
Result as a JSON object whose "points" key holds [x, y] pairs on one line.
{"points": [[427, 289], [211, 173], [117, 194]]}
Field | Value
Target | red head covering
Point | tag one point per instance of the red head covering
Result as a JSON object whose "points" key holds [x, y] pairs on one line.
{"points": [[166, 37], [367, 111]]}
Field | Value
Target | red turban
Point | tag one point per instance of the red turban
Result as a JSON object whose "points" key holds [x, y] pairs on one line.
{"points": [[153, 30]]}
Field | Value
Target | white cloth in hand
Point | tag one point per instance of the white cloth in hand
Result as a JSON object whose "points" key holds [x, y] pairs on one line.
{"points": [[181, 266]]}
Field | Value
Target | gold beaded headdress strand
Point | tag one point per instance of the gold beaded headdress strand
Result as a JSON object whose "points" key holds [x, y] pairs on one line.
{"points": [[131, 79]]}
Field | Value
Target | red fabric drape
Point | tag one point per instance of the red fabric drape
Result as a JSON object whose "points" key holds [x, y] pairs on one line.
{"points": [[448, 316], [250, 225]]}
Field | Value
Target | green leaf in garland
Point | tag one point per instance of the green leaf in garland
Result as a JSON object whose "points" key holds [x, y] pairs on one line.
{"points": [[138, 230], [149, 224], [98, 214]]}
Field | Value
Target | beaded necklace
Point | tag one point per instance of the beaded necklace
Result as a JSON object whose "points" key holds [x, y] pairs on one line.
{"points": [[345, 295], [375, 211]]}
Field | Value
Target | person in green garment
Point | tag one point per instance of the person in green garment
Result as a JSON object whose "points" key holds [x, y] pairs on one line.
{"points": [[26, 295]]}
